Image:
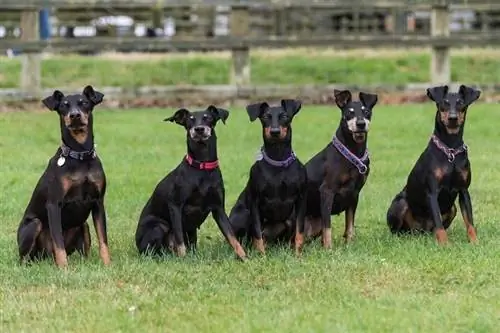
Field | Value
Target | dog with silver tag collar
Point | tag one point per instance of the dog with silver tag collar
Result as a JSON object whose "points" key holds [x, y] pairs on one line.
{"points": [[70, 190]]}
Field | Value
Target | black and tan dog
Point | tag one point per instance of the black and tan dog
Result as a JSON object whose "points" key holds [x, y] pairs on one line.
{"points": [[72, 186], [337, 173], [276, 188], [182, 200], [442, 172]]}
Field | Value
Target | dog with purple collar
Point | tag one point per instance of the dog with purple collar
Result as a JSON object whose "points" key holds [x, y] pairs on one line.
{"points": [[276, 188], [337, 173], [441, 174]]}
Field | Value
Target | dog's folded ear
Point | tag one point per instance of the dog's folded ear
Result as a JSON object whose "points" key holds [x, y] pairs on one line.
{"points": [[93, 95], [52, 102], [291, 106], [255, 110], [437, 93], [180, 117], [368, 100], [218, 113], [469, 95], [342, 97]]}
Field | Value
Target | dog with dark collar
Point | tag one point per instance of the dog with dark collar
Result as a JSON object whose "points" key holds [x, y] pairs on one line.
{"points": [[442, 172], [71, 188], [337, 173], [182, 200], [276, 188]]}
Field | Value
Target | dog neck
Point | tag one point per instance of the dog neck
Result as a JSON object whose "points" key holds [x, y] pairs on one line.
{"points": [[279, 150], [70, 141], [204, 151], [347, 140], [451, 140]]}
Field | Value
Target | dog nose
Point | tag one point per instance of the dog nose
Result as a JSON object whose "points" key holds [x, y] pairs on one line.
{"points": [[199, 129], [453, 117], [75, 115], [275, 131], [361, 124]]}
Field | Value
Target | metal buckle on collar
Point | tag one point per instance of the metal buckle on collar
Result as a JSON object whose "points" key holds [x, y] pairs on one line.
{"points": [[451, 157], [362, 168]]}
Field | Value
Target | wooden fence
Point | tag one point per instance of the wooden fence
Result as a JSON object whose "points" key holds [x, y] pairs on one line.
{"points": [[251, 23]]}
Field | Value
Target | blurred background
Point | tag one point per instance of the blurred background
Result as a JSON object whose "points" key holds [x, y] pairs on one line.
{"points": [[158, 53]]}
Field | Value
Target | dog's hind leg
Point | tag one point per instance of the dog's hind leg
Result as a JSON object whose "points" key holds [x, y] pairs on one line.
{"points": [[151, 235], [396, 213], [27, 235]]}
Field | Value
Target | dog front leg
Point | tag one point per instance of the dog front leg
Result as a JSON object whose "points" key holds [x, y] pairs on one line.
{"points": [[100, 225], [177, 229], [349, 221], [55, 228], [441, 236], [222, 221], [326, 202], [466, 209], [256, 229], [301, 205]]}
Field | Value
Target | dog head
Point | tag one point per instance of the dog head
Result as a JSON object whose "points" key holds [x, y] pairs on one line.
{"points": [[199, 124], [276, 120], [452, 107], [356, 115], [75, 111]]}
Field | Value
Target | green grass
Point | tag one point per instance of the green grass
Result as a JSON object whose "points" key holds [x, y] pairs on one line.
{"points": [[288, 67], [378, 284]]}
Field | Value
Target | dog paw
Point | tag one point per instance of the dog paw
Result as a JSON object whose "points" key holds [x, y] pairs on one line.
{"points": [[471, 234], [441, 236], [181, 250], [327, 238], [259, 246]]}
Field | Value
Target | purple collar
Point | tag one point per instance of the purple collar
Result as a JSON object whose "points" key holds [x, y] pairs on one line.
{"points": [[280, 164], [356, 161], [451, 153]]}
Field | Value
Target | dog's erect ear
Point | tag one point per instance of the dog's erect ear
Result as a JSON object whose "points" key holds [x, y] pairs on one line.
{"points": [[368, 100], [469, 95], [93, 95], [437, 93], [218, 114], [255, 110], [52, 102], [342, 97], [180, 117], [291, 106]]}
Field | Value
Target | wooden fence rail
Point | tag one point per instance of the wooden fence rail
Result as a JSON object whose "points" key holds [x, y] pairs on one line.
{"points": [[271, 24]]}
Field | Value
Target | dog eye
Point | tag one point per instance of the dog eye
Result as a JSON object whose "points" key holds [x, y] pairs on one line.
{"points": [[191, 117], [283, 116]]}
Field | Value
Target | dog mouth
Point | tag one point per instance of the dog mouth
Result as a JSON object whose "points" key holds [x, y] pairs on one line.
{"points": [[77, 125], [359, 136]]}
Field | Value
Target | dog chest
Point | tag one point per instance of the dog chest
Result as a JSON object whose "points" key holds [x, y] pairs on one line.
{"points": [[80, 186]]}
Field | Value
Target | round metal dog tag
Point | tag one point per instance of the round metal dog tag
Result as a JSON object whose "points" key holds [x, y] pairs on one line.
{"points": [[61, 161], [259, 156]]}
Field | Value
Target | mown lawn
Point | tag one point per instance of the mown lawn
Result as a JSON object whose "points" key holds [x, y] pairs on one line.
{"points": [[378, 284], [309, 66]]}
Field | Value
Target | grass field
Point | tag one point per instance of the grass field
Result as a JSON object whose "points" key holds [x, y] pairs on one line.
{"points": [[378, 284], [267, 67]]}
